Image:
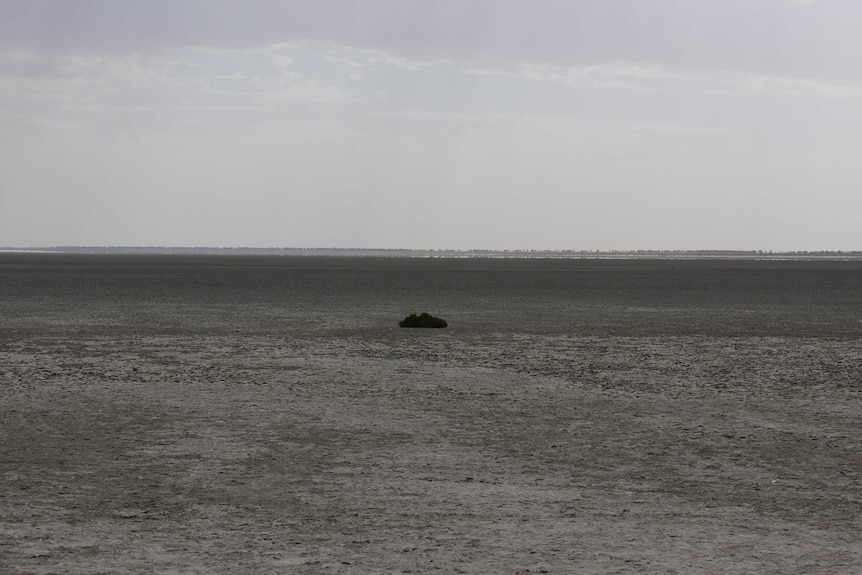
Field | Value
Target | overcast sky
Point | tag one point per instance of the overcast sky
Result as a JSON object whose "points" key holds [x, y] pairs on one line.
{"points": [[567, 124]]}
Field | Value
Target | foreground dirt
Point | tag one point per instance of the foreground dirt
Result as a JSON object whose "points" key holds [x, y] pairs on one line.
{"points": [[401, 452]]}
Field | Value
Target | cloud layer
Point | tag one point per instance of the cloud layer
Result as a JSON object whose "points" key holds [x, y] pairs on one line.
{"points": [[590, 125]]}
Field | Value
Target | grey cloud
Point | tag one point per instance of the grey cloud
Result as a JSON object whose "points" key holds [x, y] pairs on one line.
{"points": [[781, 37]]}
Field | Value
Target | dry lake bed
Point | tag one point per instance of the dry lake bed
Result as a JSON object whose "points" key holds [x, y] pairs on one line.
{"points": [[202, 424]]}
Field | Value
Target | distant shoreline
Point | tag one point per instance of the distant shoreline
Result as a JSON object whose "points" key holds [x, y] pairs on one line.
{"points": [[460, 254]]}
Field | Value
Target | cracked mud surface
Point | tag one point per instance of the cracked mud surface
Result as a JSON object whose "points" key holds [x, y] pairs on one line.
{"points": [[396, 453]]}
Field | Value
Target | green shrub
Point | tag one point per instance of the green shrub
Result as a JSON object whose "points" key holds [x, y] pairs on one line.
{"points": [[422, 320]]}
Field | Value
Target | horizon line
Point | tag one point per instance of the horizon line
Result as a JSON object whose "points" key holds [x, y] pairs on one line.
{"points": [[430, 252]]}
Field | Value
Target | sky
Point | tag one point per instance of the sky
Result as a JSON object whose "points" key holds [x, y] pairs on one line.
{"points": [[445, 124]]}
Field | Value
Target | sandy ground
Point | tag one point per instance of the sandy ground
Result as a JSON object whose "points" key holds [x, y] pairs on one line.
{"points": [[414, 451]]}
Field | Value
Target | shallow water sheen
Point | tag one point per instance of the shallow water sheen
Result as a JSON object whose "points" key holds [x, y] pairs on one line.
{"points": [[713, 297]]}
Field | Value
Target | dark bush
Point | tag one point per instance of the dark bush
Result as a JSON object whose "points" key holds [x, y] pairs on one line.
{"points": [[422, 320]]}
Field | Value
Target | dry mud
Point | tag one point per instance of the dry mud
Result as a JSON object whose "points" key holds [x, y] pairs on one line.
{"points": [[404, 451]]}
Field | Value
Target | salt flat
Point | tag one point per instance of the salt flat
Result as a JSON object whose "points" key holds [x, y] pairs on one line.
{"points": [[253, 415], [417, 452]]}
